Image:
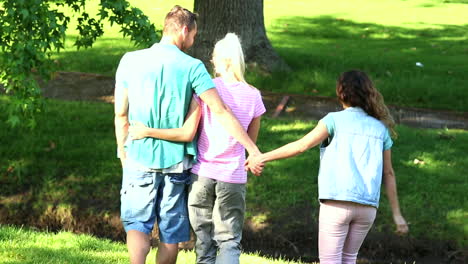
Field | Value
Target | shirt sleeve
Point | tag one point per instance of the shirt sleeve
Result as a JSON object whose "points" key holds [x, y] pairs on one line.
{"points": [[388, 142], [329, 123], [201, 80], [121, 81], [259, 106], [197, 98]]}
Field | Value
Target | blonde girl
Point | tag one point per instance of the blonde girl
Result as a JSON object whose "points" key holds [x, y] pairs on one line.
{"points": [[217, 195]]}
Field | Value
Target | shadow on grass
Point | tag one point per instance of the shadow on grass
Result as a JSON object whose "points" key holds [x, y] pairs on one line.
{"points": [[63, 174], [69, 179], [431, 198]]}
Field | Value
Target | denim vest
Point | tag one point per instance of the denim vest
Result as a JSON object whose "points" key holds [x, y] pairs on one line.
{"points": [[351, 164]]}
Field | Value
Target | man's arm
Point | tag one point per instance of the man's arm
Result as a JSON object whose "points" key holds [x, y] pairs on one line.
{"points": [[225, 117], [121, 120], [184, 134]]}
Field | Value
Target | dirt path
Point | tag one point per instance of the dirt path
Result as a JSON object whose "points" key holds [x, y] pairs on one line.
{"points": [[85, 86]]}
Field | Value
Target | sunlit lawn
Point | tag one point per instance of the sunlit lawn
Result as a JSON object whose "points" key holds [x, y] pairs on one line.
{"points": [[23, 246], [321, 39]]}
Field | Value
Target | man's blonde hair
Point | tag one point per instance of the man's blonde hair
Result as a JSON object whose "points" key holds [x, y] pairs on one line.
{"points": [[179, 17]]}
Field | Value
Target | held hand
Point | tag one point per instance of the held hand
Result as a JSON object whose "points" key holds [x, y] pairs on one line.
{"points": [[137, 131], [401, 225], [255, 164]]}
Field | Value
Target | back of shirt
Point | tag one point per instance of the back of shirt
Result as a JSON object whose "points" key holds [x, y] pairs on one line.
{"points": [[160, 82], [220, 156], [351, 165]]}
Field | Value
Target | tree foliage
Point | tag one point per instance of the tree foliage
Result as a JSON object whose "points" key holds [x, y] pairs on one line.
{"points": [[31, 29]]}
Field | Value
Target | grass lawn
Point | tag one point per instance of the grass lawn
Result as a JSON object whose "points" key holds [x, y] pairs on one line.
{"points": [[64, 175], [386, 38], [23, 246]]}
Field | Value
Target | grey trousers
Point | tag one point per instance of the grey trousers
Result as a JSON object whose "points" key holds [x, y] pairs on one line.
{"points": [[216, 212]]}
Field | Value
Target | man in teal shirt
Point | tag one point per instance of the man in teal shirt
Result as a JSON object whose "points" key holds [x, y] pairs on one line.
{"points": [[155, 86]]}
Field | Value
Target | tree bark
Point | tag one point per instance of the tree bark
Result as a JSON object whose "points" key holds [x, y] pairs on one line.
{"points": [[243, 17]]}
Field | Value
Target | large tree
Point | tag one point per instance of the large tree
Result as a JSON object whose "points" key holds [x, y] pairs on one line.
{"points": [[31, 29], [243, 17]]}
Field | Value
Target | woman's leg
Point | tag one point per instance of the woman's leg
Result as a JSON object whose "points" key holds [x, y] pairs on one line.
{"points": [[334, 219], [228, 218], [363, 218], [200, 204]]}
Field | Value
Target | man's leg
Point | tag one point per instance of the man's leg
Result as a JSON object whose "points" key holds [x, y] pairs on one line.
{"points": [[137, 212], [200, 205], [167, 253], [172, 216], [138, 244], [228, 218]]}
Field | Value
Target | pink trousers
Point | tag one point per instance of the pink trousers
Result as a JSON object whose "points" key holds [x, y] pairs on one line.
{"points": [[342, 229]]}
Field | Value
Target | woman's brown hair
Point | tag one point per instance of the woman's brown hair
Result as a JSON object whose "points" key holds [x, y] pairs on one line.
{"points": [[355, 89]]}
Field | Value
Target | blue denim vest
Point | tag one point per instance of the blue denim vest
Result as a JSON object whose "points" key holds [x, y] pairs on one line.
{"points": [[351, 164]]}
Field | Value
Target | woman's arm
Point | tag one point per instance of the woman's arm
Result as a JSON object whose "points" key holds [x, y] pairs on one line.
{"points": [[313, 138], [184, 134], [391, 190]]}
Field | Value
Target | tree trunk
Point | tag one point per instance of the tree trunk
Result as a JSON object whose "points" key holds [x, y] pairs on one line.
{"points": [[243, 17]]}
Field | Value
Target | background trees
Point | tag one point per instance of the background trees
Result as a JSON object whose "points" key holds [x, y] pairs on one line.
{"points": [[31, 29]]}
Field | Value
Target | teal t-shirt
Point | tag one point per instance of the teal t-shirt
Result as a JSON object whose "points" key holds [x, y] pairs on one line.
{"points": [[160, 83]]}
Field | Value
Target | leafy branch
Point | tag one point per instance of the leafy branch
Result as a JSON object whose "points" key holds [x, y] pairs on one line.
{"points": [[30, 30]]}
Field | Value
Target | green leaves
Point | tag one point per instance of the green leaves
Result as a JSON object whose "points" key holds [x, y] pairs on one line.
{"points": [[134, 23], [30, 30]]}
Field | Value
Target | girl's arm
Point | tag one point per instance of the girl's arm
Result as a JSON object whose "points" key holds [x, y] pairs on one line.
{"points": [[253, 128], [313, 138], [391, 190], [184, 134]]}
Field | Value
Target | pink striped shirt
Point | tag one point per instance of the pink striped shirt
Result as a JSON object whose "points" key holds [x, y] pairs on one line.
{"points": [[220, 156]]}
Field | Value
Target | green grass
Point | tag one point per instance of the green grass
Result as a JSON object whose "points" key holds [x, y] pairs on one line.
{"points": [[320, 40], [432, 195], [23, 246], [64, 175]]}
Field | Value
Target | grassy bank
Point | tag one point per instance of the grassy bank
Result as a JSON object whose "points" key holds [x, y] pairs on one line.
{"points": [[64, 175], [18, 245], [319, 40]]}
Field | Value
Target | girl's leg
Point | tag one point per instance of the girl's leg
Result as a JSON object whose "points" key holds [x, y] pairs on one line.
{"points": [[200, 204], [363, 218], [228, 218], [334, 219]]}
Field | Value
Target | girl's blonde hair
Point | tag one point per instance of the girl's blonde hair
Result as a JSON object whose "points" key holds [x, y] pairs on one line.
{"points": [[229, 57], [354, 88]]}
